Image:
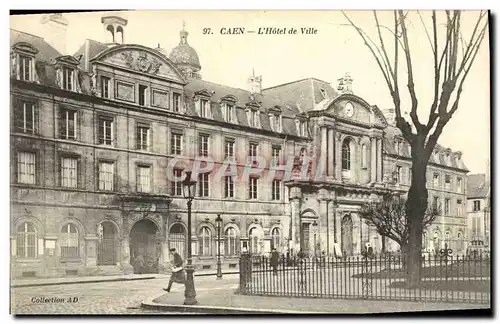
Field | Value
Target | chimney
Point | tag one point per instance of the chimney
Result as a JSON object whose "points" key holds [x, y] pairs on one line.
{"points": [[55, 31], [390, 116], [254, 83], [345, 84], [114, 29]]}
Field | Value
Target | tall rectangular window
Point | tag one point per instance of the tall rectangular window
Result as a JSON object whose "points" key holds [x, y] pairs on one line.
{"points": [[228, 113], [203, 108], [435, 204], [142, 94], [68, 79], [435, 180], [69, 172], [459, 207], [176, 189], [203, 185], [68, 124], [177, 102], [105, 87], [255, 117], [276, 155], [143, 137], [106, 175], [26, 168], [228, 187], [447, 182], [24, 117], [203, 145], [447, 206], [276, 190], [228, 148], [25, 71], [399, 173], [106, 130], [176, 143], [277, 120], [143, 178], [252, 190], [477, 205], [253, 149], [459, 185]]}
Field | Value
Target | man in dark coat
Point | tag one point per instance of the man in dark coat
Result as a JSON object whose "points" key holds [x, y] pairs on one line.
{"points": [[177, 275], [274, 261]]}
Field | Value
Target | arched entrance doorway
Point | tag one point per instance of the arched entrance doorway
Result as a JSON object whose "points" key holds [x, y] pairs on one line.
{"points": [[143, 247], [346, 232], [177, 239], [108, 246]]}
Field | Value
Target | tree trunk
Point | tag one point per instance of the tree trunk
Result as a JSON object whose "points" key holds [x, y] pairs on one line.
{"points": [[416, 207]]}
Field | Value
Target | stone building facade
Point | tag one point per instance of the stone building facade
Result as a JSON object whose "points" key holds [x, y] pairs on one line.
{"points": [[101, 138]]}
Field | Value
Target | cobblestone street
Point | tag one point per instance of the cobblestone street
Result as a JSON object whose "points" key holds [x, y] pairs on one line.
{"points": [[109, 298]]}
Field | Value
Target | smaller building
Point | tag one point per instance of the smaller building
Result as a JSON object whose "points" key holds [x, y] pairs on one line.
{"points": [[478, 211]]}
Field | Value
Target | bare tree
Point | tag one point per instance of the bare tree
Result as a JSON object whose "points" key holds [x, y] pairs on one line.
{"points": [[389, 217], [453, 57]]}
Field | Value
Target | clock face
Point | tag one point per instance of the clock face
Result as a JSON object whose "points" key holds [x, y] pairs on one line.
{"points": [[349, 109]]}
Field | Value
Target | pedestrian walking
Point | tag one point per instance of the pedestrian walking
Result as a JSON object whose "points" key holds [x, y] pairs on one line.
{"points": [[177, 275], [274, 261]]}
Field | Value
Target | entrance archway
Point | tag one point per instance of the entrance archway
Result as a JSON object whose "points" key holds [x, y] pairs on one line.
{"points": [[143, 248], [346, 233], [108, 246], [177, 239]]}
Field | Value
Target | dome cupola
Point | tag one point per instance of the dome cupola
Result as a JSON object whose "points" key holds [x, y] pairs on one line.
{"points": [[185, 57]]}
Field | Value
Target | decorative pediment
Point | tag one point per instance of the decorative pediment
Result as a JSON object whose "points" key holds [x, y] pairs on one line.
{"points": [[203, 93], [354, 109], [141, 59], [275, 110], [229, 98], [253, 104], [301, 116], [67, 59], [25, 47]]}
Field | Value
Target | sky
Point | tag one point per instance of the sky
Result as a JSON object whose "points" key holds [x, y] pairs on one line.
{"points": [[327, 55]]}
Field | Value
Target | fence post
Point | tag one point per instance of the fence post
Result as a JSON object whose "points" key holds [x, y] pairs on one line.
{"points": [[245, 272], [366, 271]]}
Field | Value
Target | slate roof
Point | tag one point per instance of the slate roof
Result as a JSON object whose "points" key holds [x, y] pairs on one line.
{"points": [[477, 186], [441, 158], [94, 48], [45, 51]]}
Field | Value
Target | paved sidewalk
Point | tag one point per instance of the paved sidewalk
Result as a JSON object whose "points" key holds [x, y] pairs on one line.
{"points": [[225, 301], [35, 282]]}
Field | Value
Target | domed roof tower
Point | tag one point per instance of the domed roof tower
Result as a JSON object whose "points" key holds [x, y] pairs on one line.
{"points": [[185, 57]]}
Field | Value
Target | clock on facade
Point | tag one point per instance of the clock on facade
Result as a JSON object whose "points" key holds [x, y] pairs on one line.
{"points": [[349, 109]]}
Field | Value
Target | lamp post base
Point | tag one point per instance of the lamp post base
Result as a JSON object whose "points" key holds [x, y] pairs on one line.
{"points": [[190, 293]]}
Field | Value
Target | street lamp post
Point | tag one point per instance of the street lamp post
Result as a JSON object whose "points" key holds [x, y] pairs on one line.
{"points": [[218, 221], [189, 187]]}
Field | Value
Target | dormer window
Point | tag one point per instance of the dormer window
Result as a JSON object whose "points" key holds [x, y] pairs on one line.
{"points": [[67, 69], [275, 118], [228, 112], [253, 117], [204, 108], [23, 62], [25, 68], [303, 127], [68, 78]]}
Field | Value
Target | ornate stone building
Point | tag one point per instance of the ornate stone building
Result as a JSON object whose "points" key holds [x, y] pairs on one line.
{"points": [[97, 136]]}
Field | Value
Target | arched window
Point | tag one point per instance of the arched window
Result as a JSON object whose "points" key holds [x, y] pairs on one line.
{"points": [[119, 35], [254, 240], [177, 239], [205, 241], [346, 155], [363, 156], [231, 243], [69, 241], [26, 241], [275, 239]]}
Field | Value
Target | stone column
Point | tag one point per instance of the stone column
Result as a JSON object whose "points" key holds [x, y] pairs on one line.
{"points": [[356, 234], [331, 152], [338, 156], [323, 234], [373, 159], [332, 227], [379, 159], [338, 225], [324, 152], [295, 202], [125, 245]]}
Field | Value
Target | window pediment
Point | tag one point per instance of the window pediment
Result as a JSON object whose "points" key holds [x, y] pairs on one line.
{"points": [[276, 110], [25, 48], [229, 99], [203, 93], [67, 60]]}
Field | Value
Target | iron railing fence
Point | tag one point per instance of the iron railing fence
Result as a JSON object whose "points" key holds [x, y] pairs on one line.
{"points": [[447, 279]]}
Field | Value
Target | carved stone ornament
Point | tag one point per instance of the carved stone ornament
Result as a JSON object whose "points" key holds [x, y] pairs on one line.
{"points": [[142, 63]]}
